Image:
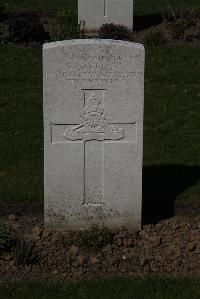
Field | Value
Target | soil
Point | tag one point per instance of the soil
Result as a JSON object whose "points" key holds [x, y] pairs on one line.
{"points": [[170, 247]]}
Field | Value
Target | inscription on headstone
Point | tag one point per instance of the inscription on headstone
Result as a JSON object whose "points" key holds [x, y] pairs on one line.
{"points": [[98, 12], [93, 116]]}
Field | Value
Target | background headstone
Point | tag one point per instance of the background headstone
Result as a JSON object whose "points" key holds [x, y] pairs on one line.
{"points": [[93, 133], [98, 12]]}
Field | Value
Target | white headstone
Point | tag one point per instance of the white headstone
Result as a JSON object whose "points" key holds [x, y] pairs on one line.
{"points": [[98, 12], [93, 133]]}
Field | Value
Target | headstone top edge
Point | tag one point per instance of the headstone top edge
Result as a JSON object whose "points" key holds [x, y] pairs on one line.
{"points": [[77, 42]]}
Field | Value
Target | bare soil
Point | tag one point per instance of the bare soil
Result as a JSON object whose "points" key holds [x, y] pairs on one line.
{"points": [[170, 247]]}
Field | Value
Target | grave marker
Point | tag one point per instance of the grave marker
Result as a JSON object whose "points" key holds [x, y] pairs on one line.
{"points": [[98, 12], [93, 117]]}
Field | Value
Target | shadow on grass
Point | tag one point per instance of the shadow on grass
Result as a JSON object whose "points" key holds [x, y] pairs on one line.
{"points": [[144, 22], [161, 185]]}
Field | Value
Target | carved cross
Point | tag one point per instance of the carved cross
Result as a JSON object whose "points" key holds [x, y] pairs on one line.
{"points": [[105, 8], [93, 131]]}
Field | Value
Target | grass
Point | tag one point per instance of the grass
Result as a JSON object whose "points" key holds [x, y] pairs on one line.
{"points": [[171, 120], [21, 135], [44, 6], [141, 7], [119, 288], [172, 102], [150, 7]]}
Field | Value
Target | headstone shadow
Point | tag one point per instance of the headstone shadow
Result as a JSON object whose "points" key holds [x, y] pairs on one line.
{"points": [[161, 185], [144, 22]]}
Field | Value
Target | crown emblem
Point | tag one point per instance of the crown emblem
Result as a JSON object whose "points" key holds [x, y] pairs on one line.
{"points": [[93, 100], [93, 105]]}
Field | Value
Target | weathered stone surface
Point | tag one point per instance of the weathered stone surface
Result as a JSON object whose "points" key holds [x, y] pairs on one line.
{"points": [[93, 133], [98, 12]]}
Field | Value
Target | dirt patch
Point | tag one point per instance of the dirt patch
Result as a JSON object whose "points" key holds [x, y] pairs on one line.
{"points": [[170, 247]]}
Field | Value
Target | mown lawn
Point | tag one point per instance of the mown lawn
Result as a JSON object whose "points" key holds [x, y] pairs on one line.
{"points": [[116, 288], [21, 135], [171, 120], [141, 7], [172, 105], [148, 7]]}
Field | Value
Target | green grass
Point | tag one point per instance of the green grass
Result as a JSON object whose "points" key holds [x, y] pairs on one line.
{"points": [[119, 288], [44, 6], [148, 7], [21, 135], [172, 102], [141, 7], [171, 120]]}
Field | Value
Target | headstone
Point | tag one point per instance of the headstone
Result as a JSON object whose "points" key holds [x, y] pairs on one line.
{"points": [[93, 133], [98, 12]]}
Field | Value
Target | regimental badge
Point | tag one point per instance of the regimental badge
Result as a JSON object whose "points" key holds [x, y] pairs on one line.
{"points": [[93, 125]]}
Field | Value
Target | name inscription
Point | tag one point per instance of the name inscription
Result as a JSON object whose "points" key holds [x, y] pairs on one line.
{"points": [[93, 69], [95, 77]]}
